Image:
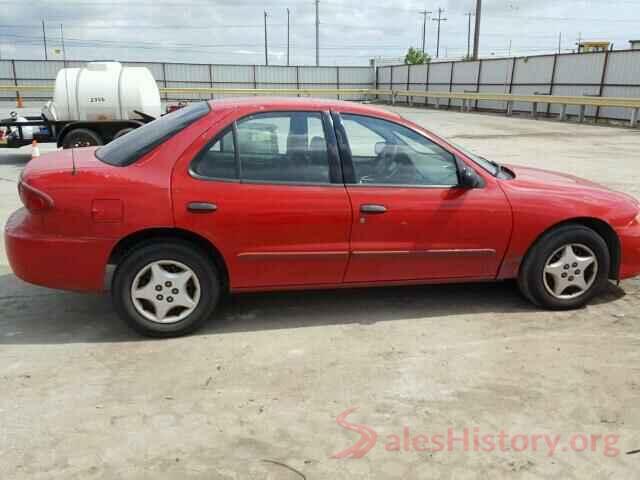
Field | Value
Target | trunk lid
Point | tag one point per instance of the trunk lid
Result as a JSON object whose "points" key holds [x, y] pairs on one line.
{"points": [[49, 163], [63, 162], [85, 159]]}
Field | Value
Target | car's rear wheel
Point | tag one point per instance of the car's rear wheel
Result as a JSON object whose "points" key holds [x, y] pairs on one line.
{"points": [[166, 289], [566, 268]]}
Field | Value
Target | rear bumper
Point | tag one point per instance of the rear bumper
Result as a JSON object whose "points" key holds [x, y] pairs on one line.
{"points": [[630, 250], [51, 260]]}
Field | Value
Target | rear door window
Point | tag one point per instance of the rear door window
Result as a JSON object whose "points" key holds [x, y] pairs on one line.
{"points": [[276, 147], [218, 160], [281, 147], [127, 149]]}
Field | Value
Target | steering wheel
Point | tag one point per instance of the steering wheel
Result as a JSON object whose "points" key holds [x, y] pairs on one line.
{"points": [[384, 161], [388, 167]]}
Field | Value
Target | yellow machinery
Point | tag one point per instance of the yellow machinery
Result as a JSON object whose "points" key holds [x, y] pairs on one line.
{"points": [[584, 47]]}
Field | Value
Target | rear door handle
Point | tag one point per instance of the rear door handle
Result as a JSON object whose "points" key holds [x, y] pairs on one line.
{"points": [[202, 207], [372, 208]]}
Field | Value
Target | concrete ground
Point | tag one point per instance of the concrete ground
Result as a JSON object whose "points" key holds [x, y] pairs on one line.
{"points": [[257, 393]]}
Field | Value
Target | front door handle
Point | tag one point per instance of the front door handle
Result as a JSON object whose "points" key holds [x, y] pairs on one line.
{"points": [[202, 207], [372, 208]]}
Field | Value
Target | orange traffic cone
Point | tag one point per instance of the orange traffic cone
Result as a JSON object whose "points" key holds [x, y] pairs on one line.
{"points": [[19, 103], [35, 150]]}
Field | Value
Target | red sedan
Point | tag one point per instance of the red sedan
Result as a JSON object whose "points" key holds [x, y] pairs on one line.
{"points": [[274, 194]]}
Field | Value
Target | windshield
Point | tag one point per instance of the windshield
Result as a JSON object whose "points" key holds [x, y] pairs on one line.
{"points": [[490, 166], [127, 149]]}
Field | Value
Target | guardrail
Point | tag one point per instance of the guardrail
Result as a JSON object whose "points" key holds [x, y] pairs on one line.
{"points": [[266, 91], [565, 101], [466, 97], [218, 90]]}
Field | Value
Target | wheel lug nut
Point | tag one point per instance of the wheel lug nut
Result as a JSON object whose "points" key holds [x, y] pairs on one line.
{"points": [[571, 279], [169, 299], [175, 291], [566, 267], [158, 288], [575, 264], [167, 284], [159, 297], [577, 272], [564, 275]]}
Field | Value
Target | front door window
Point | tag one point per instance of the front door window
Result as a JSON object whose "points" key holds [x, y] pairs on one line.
{"points": [[385, 153]]}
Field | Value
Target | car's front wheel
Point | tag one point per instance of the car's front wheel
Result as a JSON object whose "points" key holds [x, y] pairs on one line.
{"points": [[565, 268], [165, 289]]}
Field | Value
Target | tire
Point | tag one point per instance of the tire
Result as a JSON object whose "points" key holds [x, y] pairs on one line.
{"points": [[151, 281], [550, 280], [82, 137], [122, 132]]}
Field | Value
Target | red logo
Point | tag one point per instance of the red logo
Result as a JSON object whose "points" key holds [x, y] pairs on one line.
{"points": [[368, 437]]}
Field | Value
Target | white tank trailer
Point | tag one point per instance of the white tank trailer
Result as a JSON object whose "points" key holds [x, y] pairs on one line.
{"points": [[103, 91], [91, 106]]}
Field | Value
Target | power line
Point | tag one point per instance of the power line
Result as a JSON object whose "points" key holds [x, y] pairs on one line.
{"points": [[132, 43], [241, 3], [146, 4], [35, 39], [261, 26], [140, 26], [237, 4], [79, 42]]}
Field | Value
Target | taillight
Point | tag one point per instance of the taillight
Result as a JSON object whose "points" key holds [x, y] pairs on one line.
{"points": [[33, 199]]}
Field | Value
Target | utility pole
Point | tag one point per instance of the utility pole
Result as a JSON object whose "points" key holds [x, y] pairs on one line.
{"points": [[476, 33], [44, 39], [424, 28], [317, 33], [579, 42], [266, 45], [469, 14], [64, 51], [288, 37], [560, 42], [439, 20]]}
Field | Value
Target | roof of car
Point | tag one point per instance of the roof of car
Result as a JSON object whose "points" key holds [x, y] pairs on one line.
{"points": [[283, 103]]}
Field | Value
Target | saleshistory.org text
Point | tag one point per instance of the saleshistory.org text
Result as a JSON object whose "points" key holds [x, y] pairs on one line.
{"points": [[474, 439]]}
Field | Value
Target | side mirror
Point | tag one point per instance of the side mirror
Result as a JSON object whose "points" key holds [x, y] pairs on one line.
{"points": [[380, 147], [469, 178]]}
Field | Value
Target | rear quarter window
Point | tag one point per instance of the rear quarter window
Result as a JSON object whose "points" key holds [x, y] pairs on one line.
{"points": [[127, 149]]}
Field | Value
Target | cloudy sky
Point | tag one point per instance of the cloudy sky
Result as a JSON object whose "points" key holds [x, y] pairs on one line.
{"points": [[351, 31]]}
